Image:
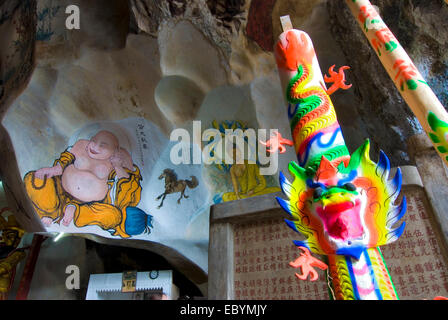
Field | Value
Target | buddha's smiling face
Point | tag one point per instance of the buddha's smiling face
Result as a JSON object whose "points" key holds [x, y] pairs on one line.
{"points": [[102, 146]]}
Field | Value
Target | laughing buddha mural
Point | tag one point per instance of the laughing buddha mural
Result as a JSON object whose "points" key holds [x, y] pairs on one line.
{"points": [[93, 182]]}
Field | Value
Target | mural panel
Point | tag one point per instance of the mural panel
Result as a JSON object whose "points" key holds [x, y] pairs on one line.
{"points": [[236, 181], [115, 179]]}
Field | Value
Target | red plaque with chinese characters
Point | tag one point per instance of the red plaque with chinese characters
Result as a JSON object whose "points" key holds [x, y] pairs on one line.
{"points": [[416, 261], [263, 250]]}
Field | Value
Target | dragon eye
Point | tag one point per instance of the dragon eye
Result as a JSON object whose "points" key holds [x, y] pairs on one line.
{"points": [[318, 193], [350, 186]]}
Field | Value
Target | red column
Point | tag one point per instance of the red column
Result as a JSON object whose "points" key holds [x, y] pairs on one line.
{"points": [[28, 271]]}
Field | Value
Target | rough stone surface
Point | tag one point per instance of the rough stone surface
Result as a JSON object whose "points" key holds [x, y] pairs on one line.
{"points": [[17, 62], [218, 20], [179, 98], [229, 14], [17, 55], [148, 15]]}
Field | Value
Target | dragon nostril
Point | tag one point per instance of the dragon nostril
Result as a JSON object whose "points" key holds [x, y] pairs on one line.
{"points": [[318, 193], [350, 186]]}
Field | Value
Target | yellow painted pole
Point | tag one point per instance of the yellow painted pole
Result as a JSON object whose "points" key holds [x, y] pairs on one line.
{"points": [[410, 83]]}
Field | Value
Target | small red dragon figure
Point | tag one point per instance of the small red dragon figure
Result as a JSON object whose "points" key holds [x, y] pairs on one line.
{"points": [[306, 261], [277, 143], [338, 79]]}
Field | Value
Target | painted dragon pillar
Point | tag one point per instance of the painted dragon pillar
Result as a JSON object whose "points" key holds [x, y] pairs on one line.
{"points": [[343, 204], [409, 82]]}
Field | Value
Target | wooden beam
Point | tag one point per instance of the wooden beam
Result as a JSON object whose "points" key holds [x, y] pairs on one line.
{"points": [[30, 265]]}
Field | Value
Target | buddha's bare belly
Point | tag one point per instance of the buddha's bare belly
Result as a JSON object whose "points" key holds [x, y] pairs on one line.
{"points": [[83, 185]]}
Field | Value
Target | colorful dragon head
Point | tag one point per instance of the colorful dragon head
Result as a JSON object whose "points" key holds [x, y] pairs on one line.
{"points": [[347, 208]]}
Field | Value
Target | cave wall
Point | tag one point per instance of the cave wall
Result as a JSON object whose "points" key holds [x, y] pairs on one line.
{"points": [[143, 68], [139, 86], [17, 61]]}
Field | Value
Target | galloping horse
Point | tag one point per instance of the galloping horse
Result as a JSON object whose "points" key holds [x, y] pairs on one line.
{"points": [[172, 185]]}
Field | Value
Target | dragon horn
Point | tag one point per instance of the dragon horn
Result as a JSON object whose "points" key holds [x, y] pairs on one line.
{"points": [[332, 74]]}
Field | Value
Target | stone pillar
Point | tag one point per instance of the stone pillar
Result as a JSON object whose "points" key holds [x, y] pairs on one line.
{"points": [[434, 175], [220, 270]]}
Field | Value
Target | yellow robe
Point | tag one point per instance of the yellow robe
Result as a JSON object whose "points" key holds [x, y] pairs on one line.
{"points": [[50, 199], [250, 180], [7, 270]]}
